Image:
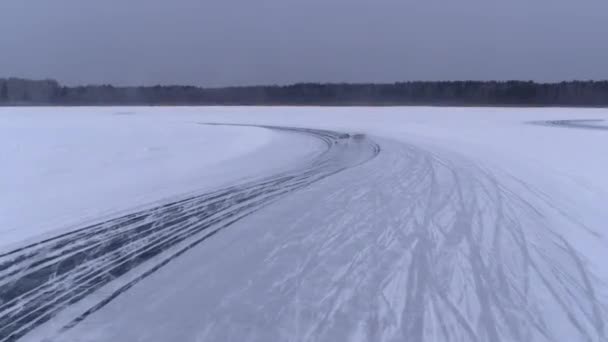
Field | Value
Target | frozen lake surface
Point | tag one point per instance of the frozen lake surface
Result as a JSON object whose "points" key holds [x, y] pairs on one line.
{"points": [[432, 224]]}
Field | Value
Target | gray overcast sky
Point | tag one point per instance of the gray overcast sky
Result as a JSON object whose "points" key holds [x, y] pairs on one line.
{"points": [[235, 42]]}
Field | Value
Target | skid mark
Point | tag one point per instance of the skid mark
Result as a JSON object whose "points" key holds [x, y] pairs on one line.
{"points": [[39, 280], [593, 124], [424, 246]]}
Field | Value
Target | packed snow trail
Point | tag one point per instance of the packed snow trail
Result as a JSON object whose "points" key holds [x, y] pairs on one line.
{"points": [[39, 280], [576, 123], [415, 245]]}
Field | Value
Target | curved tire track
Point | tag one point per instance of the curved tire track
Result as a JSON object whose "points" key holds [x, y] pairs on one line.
{"points": [[422, 244], [39, 280], [594, 124]]}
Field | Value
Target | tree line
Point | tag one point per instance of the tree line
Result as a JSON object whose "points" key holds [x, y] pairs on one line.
{"points": [[15, 91]]}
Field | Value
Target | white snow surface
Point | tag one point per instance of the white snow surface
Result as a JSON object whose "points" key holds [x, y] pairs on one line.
{"points": [[472, 224], [66, 167]]}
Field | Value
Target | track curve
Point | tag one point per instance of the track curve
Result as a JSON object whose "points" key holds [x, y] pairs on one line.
{"points": [[39, 280], [594, 124]]}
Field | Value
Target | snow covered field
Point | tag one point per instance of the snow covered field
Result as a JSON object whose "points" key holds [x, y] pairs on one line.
{"points": [[65, 167], [470, 224]]}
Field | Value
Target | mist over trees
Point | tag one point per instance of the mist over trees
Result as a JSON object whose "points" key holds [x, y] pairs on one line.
{"points": [[15, 91]]}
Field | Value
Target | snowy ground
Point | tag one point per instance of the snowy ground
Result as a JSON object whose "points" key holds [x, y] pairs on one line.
{"points": [[470, 224], [64, 169]]}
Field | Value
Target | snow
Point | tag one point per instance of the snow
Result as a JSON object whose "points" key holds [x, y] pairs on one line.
{"points": [[471, 224], [65, 167]]}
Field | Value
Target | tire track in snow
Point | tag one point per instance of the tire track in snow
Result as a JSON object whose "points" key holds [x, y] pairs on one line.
{"points": [[39, 280], [486, 262], [594, 124], [421, 246], [491, 261]]}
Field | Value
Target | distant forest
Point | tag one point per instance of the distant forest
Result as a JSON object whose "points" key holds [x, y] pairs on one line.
{"points": [[15, 92]]}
